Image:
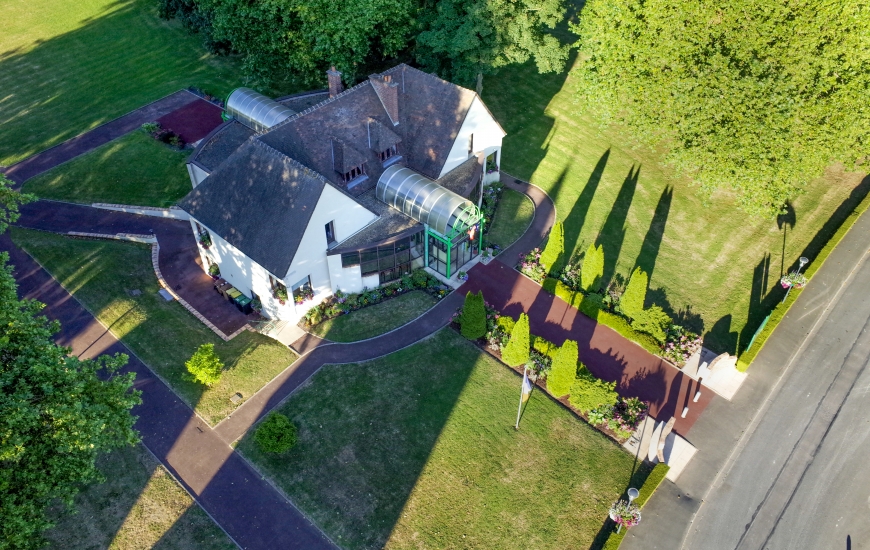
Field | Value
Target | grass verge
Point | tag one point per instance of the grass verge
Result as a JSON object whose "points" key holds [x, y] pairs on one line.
{"points": [[648, 479], [139, 506], [418, 450], [133, 169], [512, 217], [375, 320], [162, 334]]}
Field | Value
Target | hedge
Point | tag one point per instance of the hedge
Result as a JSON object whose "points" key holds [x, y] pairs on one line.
{"points": [[746, 357], [649, 486], [589, 306]]}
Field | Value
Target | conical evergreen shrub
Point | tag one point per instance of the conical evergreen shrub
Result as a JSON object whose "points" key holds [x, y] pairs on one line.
{"points": [[564, 369], [555, 247], [593, 268], [631, 302], [473, 318], [516, 352]]}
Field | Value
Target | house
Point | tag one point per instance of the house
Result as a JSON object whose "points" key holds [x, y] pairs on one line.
{"points": [[296, 198]]}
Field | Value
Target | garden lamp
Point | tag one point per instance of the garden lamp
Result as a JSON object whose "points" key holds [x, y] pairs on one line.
{"points": [[803, 261], [632, 494]]}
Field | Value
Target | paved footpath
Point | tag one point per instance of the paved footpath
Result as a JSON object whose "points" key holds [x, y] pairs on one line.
{"points": [[81, 144], [784, 466]]}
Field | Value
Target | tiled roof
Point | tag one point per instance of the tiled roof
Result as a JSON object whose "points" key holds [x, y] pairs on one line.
{"points": [[220, 144]]}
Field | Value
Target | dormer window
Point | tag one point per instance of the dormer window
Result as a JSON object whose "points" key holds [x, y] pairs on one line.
{"points": [[354, 173], [389, 152]]}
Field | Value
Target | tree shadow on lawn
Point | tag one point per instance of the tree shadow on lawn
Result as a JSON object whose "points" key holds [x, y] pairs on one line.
{"points": [[575, 219], [652, 241], [612, 233]]}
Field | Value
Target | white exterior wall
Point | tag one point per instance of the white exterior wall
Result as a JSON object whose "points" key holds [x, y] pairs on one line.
{"points": [[487, 137], [346, 279], [196, 174]]}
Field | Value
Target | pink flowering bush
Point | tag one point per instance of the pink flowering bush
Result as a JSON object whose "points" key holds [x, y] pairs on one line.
{"points": [[625, 514], [679, 345], [530, 266]]}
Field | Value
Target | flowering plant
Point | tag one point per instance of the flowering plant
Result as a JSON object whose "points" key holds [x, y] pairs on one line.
{"points": [[462, 276], [679, 345], [625, 514], [794, 279], [281, 294], [570, 275], [629, 413], [530, 266], [205, 240], [539, 364], [303, 293]]}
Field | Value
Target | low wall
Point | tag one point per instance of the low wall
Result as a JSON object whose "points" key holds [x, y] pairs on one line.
{"points": [[173, 212]]}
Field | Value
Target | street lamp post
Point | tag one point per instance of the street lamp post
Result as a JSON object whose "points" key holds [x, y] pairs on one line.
{"points": [[802, 261]]}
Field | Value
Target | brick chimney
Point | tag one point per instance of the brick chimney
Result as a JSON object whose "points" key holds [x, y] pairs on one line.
{"points": [[388, 92], [334, 78]]}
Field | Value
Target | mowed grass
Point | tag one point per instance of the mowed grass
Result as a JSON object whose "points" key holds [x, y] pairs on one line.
{"points": [[133, 169], [66, 67], [375, 320], [162, 334], [418, 450], [139, 506], [712, 267], [512, 217]]}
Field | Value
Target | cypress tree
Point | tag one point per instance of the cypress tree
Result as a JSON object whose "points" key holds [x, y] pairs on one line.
{"points": [[593, 268], [632, 300], [564, 369], [516, 352], [555, 247], [473, 318]]}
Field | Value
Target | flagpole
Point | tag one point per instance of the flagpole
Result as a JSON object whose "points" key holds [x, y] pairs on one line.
{"points": [[522, 391]]}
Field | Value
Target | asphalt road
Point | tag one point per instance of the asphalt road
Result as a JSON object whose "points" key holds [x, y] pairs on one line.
{"points": [[798, 477]]}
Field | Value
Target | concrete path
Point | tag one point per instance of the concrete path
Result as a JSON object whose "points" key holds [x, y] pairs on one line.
{"points": [[784, 465], [68, 150]]}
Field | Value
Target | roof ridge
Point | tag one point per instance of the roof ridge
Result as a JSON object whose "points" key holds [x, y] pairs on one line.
{"points": [[315, 107], [429, 75]]}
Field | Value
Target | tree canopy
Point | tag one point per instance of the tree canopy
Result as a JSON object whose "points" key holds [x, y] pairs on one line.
{"points": [[56, 415], [753, 96]]}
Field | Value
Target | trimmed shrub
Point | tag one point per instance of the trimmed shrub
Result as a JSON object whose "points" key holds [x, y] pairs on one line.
{"points": [[544, 347], [473, 318], [589, 392], [204, 366], [516, 352], [593, 268], [564, 369], [506, 323], [555, 247], [591, 305], [276, 434], [620, 325], [632, 300], [653, 321]]}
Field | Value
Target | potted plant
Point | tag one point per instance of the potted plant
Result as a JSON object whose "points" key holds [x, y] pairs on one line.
{"points": [[302, 294], [214, 270], [625, 514], [485, 256], [257, 305], [794, 279], [462, 276], [205, 240], [281, 294]]}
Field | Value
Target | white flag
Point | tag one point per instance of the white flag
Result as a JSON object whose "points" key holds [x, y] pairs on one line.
{"points": [[527, 387]]}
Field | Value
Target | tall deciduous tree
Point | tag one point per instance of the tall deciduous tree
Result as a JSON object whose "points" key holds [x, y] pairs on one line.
{"points": [[56, 415], [463, 38], [10, 200], [751, 95]]}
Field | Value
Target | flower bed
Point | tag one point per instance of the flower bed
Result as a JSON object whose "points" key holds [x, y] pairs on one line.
{"points": [[166, 136], [342, 303], [618, 421]]}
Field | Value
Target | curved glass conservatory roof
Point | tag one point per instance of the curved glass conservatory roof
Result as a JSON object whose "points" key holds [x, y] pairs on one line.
{"points": [[427, 202], [256, 110]]}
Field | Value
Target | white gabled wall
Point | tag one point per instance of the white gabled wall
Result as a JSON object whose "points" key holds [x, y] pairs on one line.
{"points": [[487, 137], [196, 174]]}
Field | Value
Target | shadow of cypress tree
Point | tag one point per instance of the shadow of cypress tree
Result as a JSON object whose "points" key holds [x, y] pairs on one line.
{"points": [[613, 231], [652, 241]]}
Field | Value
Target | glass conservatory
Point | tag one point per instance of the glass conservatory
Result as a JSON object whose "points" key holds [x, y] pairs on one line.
{"points": [[255, 110], [453, 224]]}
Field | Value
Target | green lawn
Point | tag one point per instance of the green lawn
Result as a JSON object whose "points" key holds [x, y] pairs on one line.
{"points": [[139, 506], [134, 169], [513, 215], [66, 67], [418, 450], [163, 334], [715, 269], [375, 320]]}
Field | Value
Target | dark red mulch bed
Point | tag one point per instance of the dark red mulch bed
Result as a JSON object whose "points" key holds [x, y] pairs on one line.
{"points": [[194, 121]]}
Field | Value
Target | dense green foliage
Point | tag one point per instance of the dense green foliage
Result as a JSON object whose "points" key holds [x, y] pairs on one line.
{"points": [[276, 434], [463, 38], [593, 268], [458, 39], [653, 321], [555, 246], [10, 200], [57, 413], [473, 318], [516, 352], [564, 369], [205, 366], [754, 96], [589, 392], [632, 300]]}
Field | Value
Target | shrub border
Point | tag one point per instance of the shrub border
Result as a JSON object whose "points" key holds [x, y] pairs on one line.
{"points": [[745, 358]]}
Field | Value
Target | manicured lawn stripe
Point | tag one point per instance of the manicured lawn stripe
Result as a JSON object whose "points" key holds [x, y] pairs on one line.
{"points": [[162, 334], [418, 450], [375, 320], [513, 215], [138, 506], [134, 169]]}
